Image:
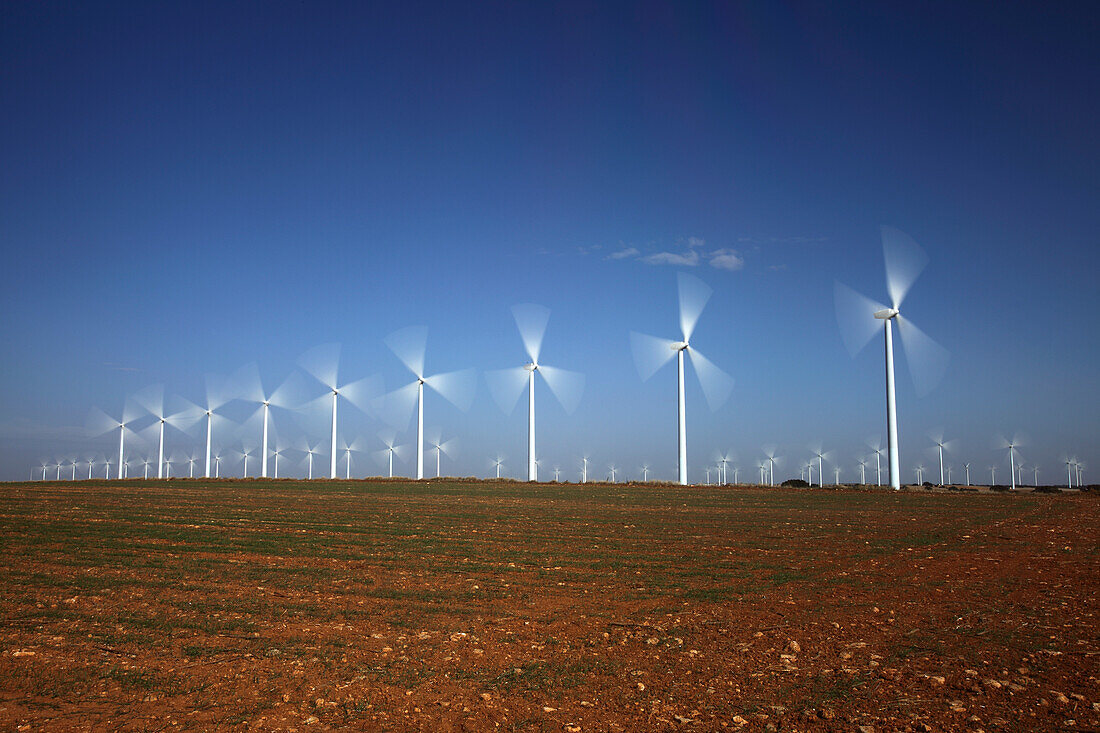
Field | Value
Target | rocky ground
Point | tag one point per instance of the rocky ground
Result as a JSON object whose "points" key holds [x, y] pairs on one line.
{"points": [[448, 605]]}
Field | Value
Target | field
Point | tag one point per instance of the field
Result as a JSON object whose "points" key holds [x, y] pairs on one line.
{"points": [[451, 605]]}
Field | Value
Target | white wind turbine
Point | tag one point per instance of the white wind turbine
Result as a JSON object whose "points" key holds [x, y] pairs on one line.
{"points": [[862, 470], [876, 448], [100, 423], [248, 386], [920, 474], [821, 456], [217, 394], [347, 448], [612, 469], [1035, 478], [769, 453], [645, 472], [1013, 448], [448, 448], [385, 456], [651, 353], [967, 467], [708, 475], [91, 465], [458, 387], [941, 445], [507, 384], [145, 462], [323, 363], [498, 462], [584, 469], [310, 450], [182, 416], [856, 315], [1069, 473]]}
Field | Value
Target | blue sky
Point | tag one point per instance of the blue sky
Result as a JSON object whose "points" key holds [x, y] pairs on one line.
{"points": [[186, 189]]}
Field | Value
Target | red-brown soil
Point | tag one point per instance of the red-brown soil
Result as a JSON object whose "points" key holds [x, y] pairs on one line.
{"points": [[221, 605]]}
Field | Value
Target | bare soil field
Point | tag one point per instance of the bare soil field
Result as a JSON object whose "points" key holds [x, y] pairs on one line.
{"points": [[473, 606]]}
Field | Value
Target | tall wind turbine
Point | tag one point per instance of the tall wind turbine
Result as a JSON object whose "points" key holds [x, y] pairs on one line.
{"points": [[941, 445], [507, 384], [876, 448], [967, 467], [498, 462], [1069, 473], [248, 386], [217, 394], [862, 471], [444, 447], [322, 362], [458, 387], [386, 455], [100, 423], [181, 417], [856, 315], [1013, 448], [769, 453], [821, 456], [651, 353], [584, 469]]}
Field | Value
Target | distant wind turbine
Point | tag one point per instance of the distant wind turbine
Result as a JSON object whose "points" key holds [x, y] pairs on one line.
{"points": [[856, 315], [652, 353], [410, 346], [322, 362], [507, 384]]}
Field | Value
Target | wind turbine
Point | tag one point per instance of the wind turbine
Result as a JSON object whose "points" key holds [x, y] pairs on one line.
{"points": [[1013, 447], [168, 467], [1069, 473], [323, 363], [444, 447], [584, 469], [309, 450], [735, 474], [612, 469], [967, 467], [645, 473], [862, 471], [191, 465], [708, 475], [91, 465], [941, 445], [1035, 480], [920, 475], [992, 475], [949, 473], [386, 454], [99, 423], [410, 346], [557, 473], [876, 447], [248, 386], [821, 456], [498, 462], [836, 475], [652, 353], [763, 472], [151, 399], [769, 453], [348, 448], [856, 315], [146, 463], [217, 465], [507, 384]]}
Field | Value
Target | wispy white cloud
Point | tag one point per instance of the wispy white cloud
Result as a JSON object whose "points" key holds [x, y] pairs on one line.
{"points": [[690, 258], [624, 254], [726, 259]]}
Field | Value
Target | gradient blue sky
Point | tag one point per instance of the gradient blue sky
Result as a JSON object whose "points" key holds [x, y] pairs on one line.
{"points": [[187, 188]]}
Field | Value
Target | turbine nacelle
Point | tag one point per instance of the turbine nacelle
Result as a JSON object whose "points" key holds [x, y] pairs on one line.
{"points": [[531, 367], [678, 346], [886, 314]]}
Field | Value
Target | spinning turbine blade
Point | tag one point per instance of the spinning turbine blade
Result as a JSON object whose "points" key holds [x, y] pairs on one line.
{"points": [[531, 320], [291, 393], [650, 353], [456, 387], [323, 363], [217, 391], [506, 385], [567, 386], [716, 384], [409, 345], [396, 408], [694, 294], [927, 360], [855, 317], [151, 399], [905, 260], [361, 392], [246, 384], [99, 422]]}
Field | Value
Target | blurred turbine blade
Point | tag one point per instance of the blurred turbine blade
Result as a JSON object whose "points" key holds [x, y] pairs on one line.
{"points": [[927, 359], [716, 384], [360, 393], [905, 260], [396, 408], [694, 294], [456, 387], [99, 422], [150, 399], [506, 385], [650, 353], [409, 345], [322, 362], [567, 386], [182, 413], [449, 448], [245, 383], [531, 320], [217, 391], [292, 393], [855, 317]]}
